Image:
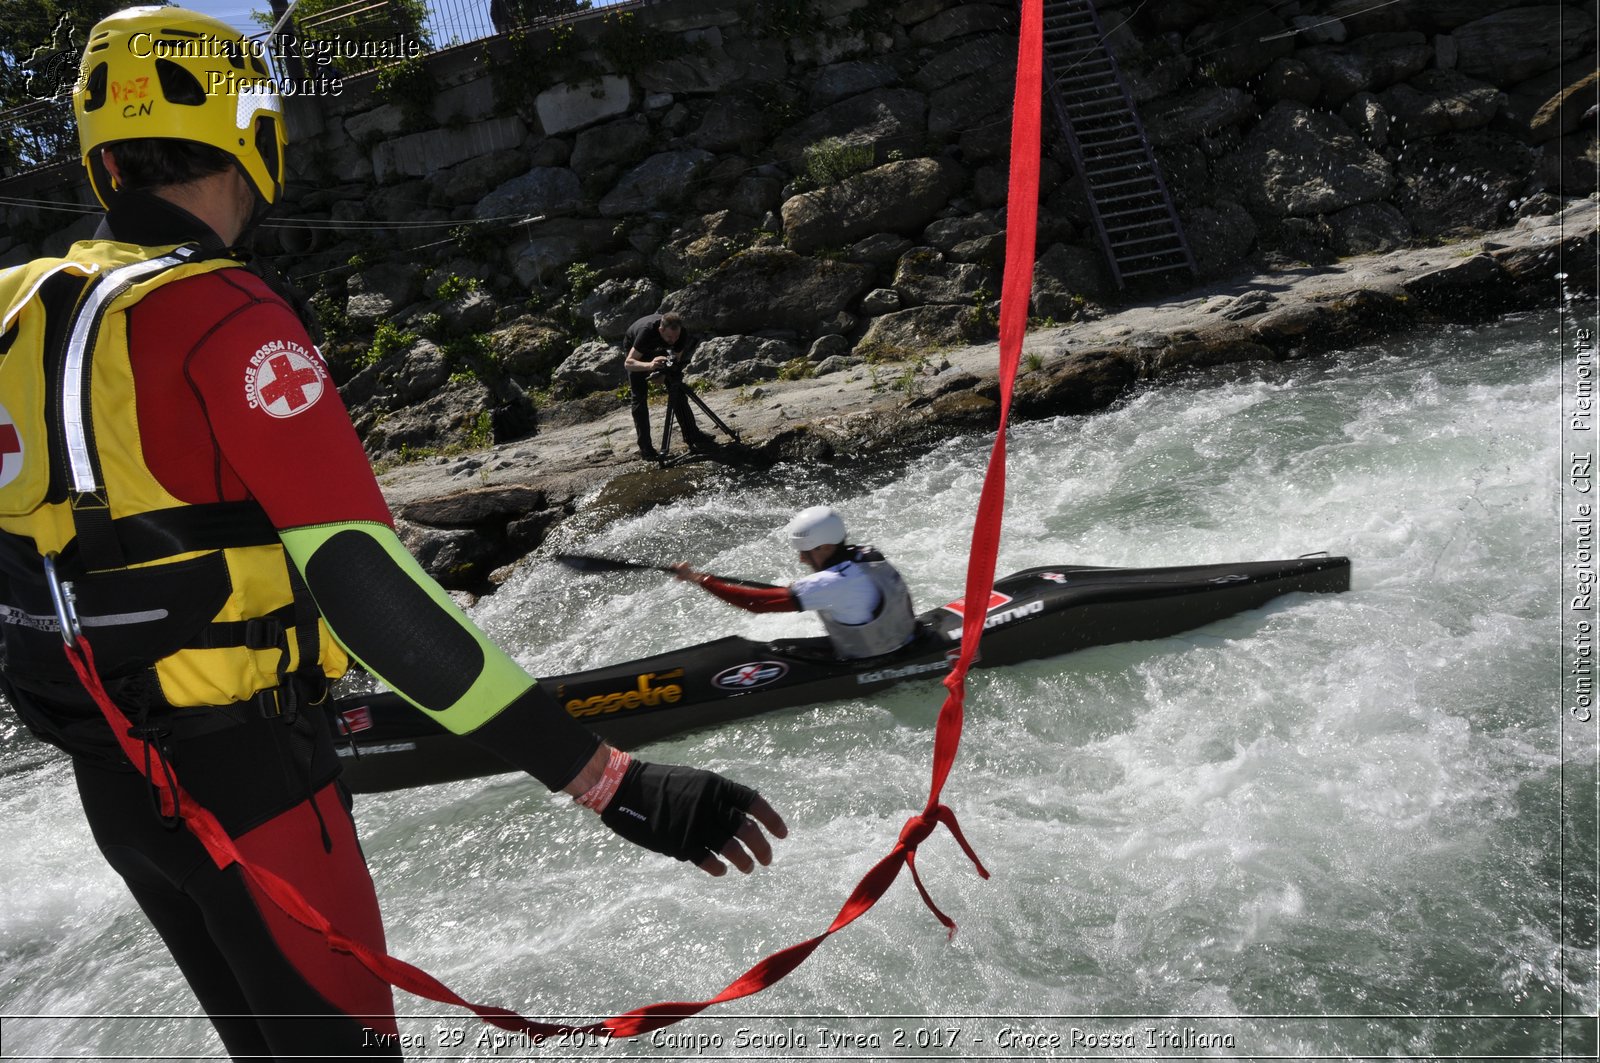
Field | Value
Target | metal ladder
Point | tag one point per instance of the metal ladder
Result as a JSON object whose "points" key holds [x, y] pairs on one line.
{"points": [[1128, 201]]}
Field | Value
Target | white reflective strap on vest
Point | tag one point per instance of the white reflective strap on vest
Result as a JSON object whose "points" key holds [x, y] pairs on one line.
{"points": [[85, 326], [48, 622]]}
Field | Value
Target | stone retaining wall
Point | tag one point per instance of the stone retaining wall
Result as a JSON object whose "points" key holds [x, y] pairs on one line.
{"points": [[814, 183]]}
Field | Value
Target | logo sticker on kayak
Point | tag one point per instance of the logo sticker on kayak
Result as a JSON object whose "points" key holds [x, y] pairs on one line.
{"points": [[749, 676], [998, 613], [649, 691], [996, 600], [911, 671], [356, 720]]}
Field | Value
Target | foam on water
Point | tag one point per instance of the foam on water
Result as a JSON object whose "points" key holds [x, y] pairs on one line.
{"points": [[1333, 805]]}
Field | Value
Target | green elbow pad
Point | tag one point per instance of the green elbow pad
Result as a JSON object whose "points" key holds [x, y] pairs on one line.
{"points": [[401, 625]]}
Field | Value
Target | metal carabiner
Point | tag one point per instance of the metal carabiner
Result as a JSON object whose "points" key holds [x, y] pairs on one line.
{"points": [[66, 603]]}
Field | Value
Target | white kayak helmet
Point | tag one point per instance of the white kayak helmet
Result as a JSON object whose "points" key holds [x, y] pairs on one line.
{"points": [[814, 527]]}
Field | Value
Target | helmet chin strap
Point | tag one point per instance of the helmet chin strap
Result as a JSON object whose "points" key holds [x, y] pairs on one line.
{"points": [[260, 209]]}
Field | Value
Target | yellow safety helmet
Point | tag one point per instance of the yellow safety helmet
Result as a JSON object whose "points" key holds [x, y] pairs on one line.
{"points": [[170, 73]]}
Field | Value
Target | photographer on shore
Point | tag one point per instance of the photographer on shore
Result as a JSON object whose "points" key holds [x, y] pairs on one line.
{"points": [[658, 343]]}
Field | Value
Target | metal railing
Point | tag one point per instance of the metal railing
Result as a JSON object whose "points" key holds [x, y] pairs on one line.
{"points": [[454, 22]]}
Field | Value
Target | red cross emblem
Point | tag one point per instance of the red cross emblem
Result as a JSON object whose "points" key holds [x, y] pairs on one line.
{"points": [[284, 379], [289, 383], [10, 443]]}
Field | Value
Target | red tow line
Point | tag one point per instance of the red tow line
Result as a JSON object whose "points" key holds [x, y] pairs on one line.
{"points": [[1022, 216]]}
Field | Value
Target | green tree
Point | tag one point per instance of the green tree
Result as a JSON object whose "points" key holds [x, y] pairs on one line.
{"points": [[39, 54], [352, 23], [509, 14]]}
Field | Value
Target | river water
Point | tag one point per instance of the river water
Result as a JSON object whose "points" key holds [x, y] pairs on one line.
{"points": [[1330, 827]]}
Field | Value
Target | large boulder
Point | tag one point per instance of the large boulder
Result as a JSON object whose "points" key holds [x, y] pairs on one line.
{"points": [[1195, 115], [1440, 101], [1240, 45], [770, 288], [730, 125], [469, 312], [1220, 235], [1432, 16], [1078, 381], [1297, 161], [550, 247], [1512, 46], [1291, 79], [614, 144], [909, 333], [729, 361], [573, 105], [970, 102], [960, 21], [925, 276], [1563, 113], [542, 191], [1369, 228], [451, 416], [702, 243], [973, 57], [1462, 181], [896, 197], [594, 366], [888, 119], [615, 304], [1063, 276], [417, 373], [840, 81], [657, 182], [708, 69], [420, 154], [377, 293], [472, 180], [1366, 64], [530, 348]]}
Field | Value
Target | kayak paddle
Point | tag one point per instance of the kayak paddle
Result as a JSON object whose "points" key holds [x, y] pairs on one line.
{"points": [[591, 563]]}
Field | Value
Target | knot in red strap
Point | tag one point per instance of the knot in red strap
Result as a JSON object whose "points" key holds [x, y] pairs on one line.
{"points": [[917, 829]]}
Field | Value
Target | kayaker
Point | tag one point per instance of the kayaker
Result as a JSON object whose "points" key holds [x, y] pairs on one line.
{"points": [[172, 439], [859, 596]]}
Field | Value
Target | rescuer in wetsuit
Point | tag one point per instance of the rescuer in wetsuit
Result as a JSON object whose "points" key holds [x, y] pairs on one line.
{"points": [[171, 438], [860, 597]]}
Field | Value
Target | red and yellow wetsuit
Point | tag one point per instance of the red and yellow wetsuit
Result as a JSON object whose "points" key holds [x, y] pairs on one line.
{"points": [[178, 441]]}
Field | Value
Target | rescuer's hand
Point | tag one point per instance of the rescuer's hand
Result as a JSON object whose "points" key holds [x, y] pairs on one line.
{"points": [[693, 815]]}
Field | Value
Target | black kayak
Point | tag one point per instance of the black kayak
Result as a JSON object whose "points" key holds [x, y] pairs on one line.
{"points": [[1039, 612]]}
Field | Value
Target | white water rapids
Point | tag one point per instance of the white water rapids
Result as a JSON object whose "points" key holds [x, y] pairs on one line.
{"points": [[1329, 827]]}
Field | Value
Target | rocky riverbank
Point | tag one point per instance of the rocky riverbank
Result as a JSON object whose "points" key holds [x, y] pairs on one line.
{"points": [[470, 517]]}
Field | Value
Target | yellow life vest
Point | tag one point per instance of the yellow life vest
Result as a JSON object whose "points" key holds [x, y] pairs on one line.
{"points": [[202, 594]]}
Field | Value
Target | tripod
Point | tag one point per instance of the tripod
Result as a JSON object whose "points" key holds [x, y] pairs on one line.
{"points": [[676, 389]]}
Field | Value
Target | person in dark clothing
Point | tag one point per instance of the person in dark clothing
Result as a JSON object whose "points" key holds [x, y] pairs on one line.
{"points": [[658, 343], [174, 452]]}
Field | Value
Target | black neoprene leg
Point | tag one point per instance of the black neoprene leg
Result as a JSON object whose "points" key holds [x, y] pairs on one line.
{"points": [[639, 391], [260, 1003]]}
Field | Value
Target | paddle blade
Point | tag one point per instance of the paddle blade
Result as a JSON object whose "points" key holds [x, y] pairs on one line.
{"points": [[591, 563]]}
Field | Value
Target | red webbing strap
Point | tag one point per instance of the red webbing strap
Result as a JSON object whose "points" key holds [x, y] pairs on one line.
{"points": [[1022, 216]]}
